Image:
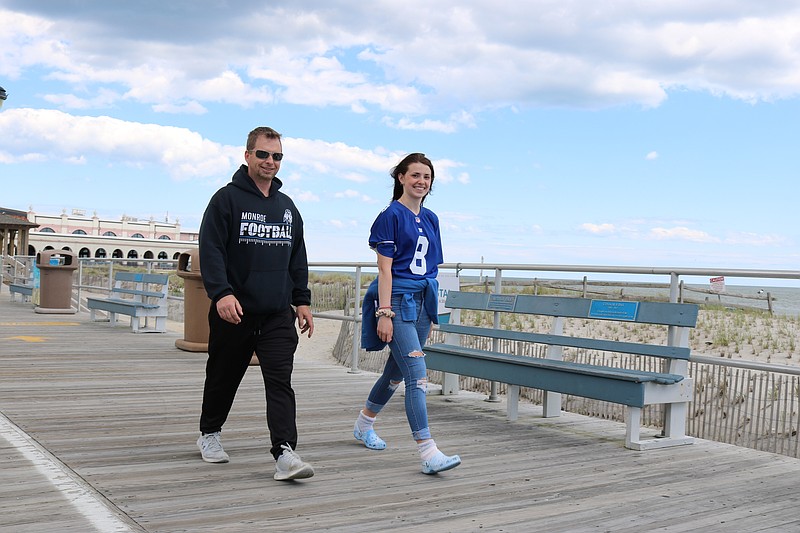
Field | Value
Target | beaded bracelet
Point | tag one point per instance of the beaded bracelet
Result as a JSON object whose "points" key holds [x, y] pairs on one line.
{"points": [[384, 311]]}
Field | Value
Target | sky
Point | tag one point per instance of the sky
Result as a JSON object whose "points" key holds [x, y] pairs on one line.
{"points": [[612, 132]]}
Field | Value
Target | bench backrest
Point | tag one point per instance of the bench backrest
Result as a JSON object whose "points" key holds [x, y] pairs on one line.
{"points": [[659, 313], [664, 313], [140, 287]]}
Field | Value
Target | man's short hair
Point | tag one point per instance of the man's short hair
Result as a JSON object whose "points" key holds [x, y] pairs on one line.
{"points": [[264, 131]]}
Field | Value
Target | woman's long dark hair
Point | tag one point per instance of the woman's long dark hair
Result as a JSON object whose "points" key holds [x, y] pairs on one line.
{"points": [[402, 168]]}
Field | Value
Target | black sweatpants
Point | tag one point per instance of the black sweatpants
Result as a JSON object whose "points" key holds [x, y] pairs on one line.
{"points": [[274, 339]]}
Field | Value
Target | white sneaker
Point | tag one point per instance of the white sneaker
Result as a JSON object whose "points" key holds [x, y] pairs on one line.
{"points": [[290, 466], [211, 448]]}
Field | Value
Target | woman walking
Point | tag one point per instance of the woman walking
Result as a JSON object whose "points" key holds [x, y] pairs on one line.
{"points": [[401, 304]]}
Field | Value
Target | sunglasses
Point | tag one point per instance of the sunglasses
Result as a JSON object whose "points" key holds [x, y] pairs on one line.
{"points": [[263, 154]]}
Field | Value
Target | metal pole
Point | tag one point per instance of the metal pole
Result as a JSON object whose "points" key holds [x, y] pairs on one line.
{"points": [[356, 324], [672, 337], [80, 282], [498, 289]]}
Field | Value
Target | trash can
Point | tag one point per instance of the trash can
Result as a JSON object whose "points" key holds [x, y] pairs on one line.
{"points": [[55, 281], [195, 304]]}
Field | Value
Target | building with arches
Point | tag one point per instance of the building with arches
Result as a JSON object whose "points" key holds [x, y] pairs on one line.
{"points": [[126, 238]]}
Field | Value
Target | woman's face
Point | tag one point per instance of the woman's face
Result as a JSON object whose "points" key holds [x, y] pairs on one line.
{"points": [[416, 181]]}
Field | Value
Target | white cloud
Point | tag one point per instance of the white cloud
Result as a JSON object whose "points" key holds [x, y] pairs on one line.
{"points": [[466, 58], [342, 224], [339, 160], [305, 196], [455, 122], [682, 233], [354, 195], [103, 99], [445, 172], [182, 153], [189, 108], [599, 229], [755, 239], [651, 156]]}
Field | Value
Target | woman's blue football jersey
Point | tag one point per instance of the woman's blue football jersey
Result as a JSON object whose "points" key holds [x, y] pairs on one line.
{"points": [[412, 241]]}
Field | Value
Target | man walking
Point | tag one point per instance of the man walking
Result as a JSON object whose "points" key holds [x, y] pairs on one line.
{"points": [[254, 270]]}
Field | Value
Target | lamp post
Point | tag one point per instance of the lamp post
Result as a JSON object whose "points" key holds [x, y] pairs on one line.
{"points": [[3, 96]]}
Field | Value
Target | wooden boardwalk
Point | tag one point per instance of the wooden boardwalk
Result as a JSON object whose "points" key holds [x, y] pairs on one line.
{"points": [[98, 431]]}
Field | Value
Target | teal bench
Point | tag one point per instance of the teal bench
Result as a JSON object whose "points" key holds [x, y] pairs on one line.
{"points": [[630, 387], [136, 295], [25, 290]]}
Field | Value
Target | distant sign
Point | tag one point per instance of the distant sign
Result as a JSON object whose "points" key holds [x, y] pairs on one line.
{"points": [[717, 284]]}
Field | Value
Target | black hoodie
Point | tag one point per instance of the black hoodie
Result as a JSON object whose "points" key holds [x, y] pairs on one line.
{"points": [[252, 246]]}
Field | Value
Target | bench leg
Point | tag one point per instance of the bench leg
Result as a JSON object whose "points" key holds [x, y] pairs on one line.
{"points": [[675, 422], [512, 397], [112, 318], [674, 430], [633, 424], [450, 384], [135, 324], [551, 404]]}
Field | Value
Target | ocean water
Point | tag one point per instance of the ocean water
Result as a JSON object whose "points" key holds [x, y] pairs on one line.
{"points": [[785, 300]]}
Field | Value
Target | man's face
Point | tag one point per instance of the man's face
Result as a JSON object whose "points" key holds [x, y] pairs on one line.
{"points": [[263, 169]]}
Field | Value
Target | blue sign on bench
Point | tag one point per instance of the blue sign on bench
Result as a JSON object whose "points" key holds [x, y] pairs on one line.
{"points": [[613, 310], [501, 302]]}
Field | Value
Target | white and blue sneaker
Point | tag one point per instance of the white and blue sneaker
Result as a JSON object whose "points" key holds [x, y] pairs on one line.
{"points": [[439, 463]]}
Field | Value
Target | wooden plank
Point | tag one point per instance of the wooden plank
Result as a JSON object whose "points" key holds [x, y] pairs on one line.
{"points": [[654, 350]]}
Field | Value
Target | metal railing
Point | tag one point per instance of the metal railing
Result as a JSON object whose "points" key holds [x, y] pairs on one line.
{"points": [[747, 403]]}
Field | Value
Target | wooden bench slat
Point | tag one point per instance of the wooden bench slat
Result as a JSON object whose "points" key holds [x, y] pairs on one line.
{"points": [[147, 294], [672, 352], [120, 302], [140, 277], [626, 374]]}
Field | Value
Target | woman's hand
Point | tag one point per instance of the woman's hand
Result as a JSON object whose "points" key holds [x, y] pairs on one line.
{"points": [[385, 329]]}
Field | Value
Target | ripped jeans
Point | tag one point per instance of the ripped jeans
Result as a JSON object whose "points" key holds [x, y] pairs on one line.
{"points": [[406, 364]]}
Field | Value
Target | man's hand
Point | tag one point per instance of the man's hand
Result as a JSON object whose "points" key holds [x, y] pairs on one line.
{"points": [[305, 320], [229, 309]]}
